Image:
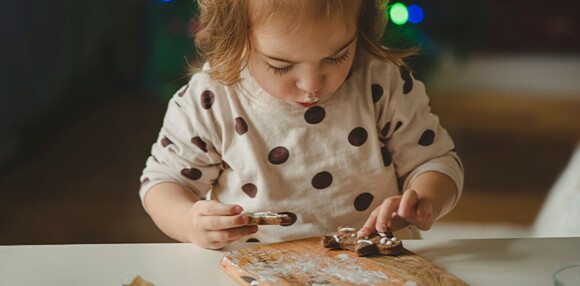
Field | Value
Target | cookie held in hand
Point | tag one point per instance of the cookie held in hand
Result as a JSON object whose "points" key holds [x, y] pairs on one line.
{"points": [[381, 243], [268, 218]]}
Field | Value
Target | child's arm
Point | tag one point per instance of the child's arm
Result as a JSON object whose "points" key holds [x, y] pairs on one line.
{"points": [[434, 186], [429, 171], [429, 196], [183, 166], [180, 215]]}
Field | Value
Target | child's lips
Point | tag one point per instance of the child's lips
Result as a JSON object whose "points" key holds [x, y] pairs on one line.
{"points": [[307, 104]]}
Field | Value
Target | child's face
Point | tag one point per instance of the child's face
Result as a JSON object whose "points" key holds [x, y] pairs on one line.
{"points": [[291, 63]]}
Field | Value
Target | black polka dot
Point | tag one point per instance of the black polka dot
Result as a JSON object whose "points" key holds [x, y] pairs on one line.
{"points": [[377, 92], [199, 143], [408, 87], [322, 180], [400, 182], [165, 141], [252, 240], [241, 126], [278, 155], [363, 201], [427, 138], [178, 105], [250, 190], [292, 216], [386, 128], [399, 124], [387, 160], [406, 76], [357, 136], [192, 173], [155, 159], [314, 115], [145, 180], [207, 99], [225, 165]]}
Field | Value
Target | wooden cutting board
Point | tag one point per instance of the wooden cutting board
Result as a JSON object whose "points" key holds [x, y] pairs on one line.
{"points": [[306, 262]]}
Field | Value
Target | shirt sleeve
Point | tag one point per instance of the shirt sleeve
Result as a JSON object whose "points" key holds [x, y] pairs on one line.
{"points": [[414, 139], [184, 152]]}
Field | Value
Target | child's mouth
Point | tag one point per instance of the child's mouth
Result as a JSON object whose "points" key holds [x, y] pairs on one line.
{"points": [[310, 99], [307, 104]]}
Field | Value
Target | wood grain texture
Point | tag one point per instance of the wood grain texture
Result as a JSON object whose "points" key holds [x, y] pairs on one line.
{"points": [[306, 262]]}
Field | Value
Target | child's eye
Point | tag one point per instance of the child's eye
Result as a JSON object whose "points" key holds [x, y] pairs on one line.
{"points": [[279, 71], [339, 60], [336, 61]]}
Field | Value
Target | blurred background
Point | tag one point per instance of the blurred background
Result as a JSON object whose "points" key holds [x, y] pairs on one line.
{"points": [[84, 87]]}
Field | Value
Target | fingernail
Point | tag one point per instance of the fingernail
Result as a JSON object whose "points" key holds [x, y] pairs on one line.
{"points": [[254, 229], [382, 227], [238, 210], [245, 219]]}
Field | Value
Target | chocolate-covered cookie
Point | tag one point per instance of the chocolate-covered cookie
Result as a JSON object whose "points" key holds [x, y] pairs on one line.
{"points": [[268, 218], [381, 243]]}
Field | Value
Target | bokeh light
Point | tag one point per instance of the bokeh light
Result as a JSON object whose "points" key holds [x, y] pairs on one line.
{"points": [[398, 13], [416, 14]]}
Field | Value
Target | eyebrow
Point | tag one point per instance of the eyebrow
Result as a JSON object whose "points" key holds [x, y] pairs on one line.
{"points": [[290, 62]]}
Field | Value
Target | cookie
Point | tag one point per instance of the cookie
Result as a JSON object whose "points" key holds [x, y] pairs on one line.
{"points": [[381, 243], [268, 218]]}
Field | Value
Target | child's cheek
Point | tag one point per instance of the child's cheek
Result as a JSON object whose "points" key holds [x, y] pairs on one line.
{"points": [[281, 89], [336, 81]]}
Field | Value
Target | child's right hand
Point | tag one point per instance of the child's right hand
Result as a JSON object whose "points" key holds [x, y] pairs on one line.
{"points": [[215, 225]]}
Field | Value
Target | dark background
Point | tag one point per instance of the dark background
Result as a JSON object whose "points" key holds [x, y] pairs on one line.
{"points": [[83, 88]]}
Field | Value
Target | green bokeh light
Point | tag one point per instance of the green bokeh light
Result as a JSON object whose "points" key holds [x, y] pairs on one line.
{"points": [[399, 14]]}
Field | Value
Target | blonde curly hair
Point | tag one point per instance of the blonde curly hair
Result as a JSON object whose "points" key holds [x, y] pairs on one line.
{"points": [[225, 28]]}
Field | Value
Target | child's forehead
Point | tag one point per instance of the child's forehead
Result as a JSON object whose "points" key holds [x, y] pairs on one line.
{"points": [[302, 13]]}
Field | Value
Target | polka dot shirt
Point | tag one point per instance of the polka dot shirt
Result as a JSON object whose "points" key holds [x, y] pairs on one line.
{"points": [[325, 166]]}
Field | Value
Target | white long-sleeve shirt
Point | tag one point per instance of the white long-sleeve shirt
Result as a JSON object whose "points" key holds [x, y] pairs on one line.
{"points": [[326, 166]]}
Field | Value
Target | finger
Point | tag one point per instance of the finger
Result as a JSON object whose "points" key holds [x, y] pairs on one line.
{"points": [[215, 245], [397, 223], [386, 211], [213, 208], [223, 222], [369, 224], [408, 203], [231, 234], [425, 214]]}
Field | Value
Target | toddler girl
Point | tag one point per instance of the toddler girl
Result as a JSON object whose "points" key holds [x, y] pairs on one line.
{"points": [[298, 110]]}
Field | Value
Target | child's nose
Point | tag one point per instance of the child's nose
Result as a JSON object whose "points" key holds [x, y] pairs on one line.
{"points": [[311, 82]]}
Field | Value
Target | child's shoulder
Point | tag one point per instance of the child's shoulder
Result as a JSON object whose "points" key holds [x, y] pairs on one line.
{"points": [[378, 70], [375, 66], [204, 102], [201, 79], [201, 90]]}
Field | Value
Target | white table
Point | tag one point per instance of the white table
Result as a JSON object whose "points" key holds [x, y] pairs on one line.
{"points": [[526, 261]]}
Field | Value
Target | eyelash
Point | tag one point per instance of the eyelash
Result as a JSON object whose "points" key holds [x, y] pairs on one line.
{"points": [[335, 61], [279, 71], [339, 60]]}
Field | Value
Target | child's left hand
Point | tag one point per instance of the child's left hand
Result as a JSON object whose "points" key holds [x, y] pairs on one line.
{"points": [[397, 212]]}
